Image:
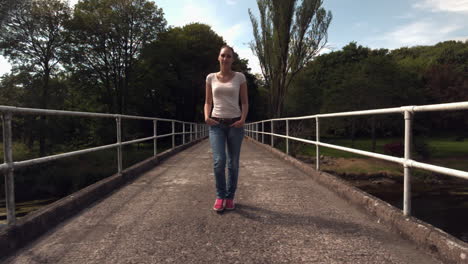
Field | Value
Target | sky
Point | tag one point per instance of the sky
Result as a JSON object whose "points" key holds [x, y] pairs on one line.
{"points": [[371, 23]]}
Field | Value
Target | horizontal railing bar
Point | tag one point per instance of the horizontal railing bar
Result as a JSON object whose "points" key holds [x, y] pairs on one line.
{"points": [[356, 151], [423, 108], [147, 118], [364, 153], [439, 169], [395, 110], [147, 138], [24, 163], [441, 107], [24, 110], [137, 140], [402, 161], [163, 136]]}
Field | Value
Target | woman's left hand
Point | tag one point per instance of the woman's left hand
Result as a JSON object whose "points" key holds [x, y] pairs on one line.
{"points": [[238, 124]]}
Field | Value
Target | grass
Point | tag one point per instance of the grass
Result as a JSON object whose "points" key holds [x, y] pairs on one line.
{"points": [[444, 152], [40, 184], [60, 177], [443, 148], [23, 208]]}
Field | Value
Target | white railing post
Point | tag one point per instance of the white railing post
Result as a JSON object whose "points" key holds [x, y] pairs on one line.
{"points": [[118, 120], [407, 171], [9, 174], [191, 136], [271, 133], [183, 133], [173, 134], [287, 136], [155, 140], [263, 131], [317, 147], [256, 130], [196, 131]]}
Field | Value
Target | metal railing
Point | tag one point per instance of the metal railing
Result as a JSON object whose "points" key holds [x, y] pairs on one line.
{"points": [[408, 111], [195, 131]]}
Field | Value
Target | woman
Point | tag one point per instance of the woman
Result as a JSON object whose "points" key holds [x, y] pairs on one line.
{"points": [[226, 121]]}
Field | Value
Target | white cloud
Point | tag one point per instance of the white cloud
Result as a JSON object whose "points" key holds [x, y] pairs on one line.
{"points": [[72, 2], [409, 15], [231, 34], [246, 53], [465, 38], [419, 33], [191, 12], [457, 6], [326, 49], [5, 66]]}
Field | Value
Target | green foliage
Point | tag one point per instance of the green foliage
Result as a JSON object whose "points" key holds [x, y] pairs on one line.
{"points": [[35, 40], [289, 36], [175, 67], [6, 8], [108, 36], [359, 78], [33, 35]]}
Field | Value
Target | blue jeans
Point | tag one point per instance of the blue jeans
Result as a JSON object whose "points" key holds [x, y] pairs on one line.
{"points": [[221, 137]]}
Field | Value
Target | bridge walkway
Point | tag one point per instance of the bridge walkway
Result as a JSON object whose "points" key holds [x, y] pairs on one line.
{"points": [[165, 216]]}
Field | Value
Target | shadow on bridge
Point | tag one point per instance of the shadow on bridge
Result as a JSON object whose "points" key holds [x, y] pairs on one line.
{"points": [[283, 216]]}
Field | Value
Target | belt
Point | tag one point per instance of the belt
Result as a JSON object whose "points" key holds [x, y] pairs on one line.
{"points": [[226, 121]]}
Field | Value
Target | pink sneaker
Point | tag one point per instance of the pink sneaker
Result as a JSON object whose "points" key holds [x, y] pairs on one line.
{"points": [[230, 204], [219, 205]]}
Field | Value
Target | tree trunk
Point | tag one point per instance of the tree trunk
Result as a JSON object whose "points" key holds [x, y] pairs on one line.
{"points": [[30, 133], [374, 143], [43, 119]]}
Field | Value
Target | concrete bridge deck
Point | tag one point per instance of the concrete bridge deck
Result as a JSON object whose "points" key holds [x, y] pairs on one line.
{"points": [[165, 216]]}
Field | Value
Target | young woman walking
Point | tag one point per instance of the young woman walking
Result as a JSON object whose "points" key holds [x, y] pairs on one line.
{"points": [[226, 120]]}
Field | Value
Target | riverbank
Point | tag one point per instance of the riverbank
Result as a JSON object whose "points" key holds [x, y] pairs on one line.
{"points": [[436, 199]]}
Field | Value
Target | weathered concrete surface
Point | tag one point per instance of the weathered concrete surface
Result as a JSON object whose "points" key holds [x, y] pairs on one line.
{"points": [[283, 216], [40, 221], [426, 236]]}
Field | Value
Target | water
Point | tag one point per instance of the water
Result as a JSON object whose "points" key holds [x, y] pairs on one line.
{"points": [[23, 208], [444, 208]]}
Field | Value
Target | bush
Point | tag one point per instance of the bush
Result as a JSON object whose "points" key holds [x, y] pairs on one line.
{"points": [[422, 149], [395, 149]]}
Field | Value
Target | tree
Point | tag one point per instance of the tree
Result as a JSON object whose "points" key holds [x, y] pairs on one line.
{"points": [[6, 6], [175, 67], [33, 38], [290, 35], [108, 37]]}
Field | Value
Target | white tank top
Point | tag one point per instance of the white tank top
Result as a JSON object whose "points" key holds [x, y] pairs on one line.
{"points": [[226, 95]]}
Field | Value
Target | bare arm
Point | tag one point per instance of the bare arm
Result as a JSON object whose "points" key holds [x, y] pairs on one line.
{"points": [[245, 105], [208, 105]]}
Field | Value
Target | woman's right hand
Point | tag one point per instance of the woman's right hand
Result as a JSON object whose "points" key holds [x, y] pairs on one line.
{"points": [[211, 122]]}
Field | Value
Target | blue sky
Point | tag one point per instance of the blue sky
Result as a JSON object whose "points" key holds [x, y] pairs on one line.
{"points": [[372, 23]]}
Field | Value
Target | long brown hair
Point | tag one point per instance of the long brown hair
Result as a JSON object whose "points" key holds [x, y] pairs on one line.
{"points": [[228, 47]]}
